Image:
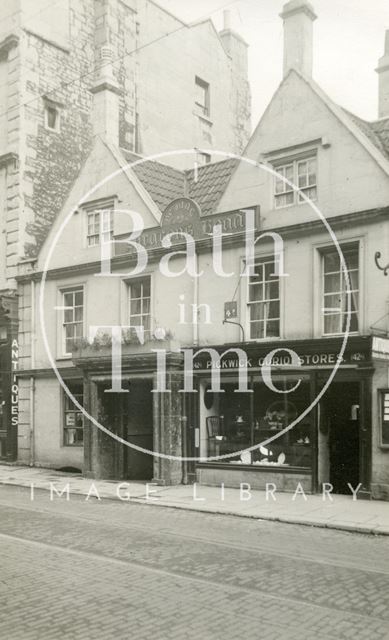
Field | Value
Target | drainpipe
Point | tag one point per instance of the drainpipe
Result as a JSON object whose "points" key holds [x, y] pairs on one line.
{"points": [[32, 379], [196, 303]]}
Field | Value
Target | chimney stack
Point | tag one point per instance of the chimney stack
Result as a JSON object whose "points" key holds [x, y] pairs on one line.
{"points": [[105, 89], [105, 111], [383, 81], [298, 17]]}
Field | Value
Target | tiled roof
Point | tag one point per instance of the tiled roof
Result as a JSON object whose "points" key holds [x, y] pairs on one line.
{"points": [[377, 131], [162, 182], [212, 180], [165, 184]]}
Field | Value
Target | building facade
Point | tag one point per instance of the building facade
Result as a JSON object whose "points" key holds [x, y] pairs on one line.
{"points": [[63, 66], [259, 351]]}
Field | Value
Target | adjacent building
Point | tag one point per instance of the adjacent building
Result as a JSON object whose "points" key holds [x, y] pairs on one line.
{"points": [[305, 313]]}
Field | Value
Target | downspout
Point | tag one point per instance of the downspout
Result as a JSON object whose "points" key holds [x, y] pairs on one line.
{"points": [[32, 379], [195, 311]]}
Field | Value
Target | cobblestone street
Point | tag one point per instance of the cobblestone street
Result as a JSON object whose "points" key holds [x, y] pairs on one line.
{"points": [[90, 570]]}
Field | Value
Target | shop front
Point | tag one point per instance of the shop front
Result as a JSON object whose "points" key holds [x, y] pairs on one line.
{"points": [[277, 432], [138, 421]]}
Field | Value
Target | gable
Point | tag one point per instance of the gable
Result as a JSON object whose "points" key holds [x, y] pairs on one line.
{"points": [[353, 175], [100, 179]]}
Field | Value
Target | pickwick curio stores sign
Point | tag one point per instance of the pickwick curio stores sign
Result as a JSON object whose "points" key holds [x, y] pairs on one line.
{"points": [[311, 354]]}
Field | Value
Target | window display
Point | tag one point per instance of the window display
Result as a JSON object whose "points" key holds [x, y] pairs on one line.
{"points": [[248, 419]]}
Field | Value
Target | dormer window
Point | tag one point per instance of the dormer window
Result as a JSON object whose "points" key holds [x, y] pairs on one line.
{"points": [[301, 173]]}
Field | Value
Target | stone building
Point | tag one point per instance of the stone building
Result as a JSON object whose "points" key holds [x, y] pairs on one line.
{"points": [[304, 313], [173, 85]]}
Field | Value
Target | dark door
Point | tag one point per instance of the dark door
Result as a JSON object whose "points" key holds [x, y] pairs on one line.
{"points": [[138, 430], [342, 408]]}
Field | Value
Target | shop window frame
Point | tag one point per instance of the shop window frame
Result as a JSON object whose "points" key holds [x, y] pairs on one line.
{"points": [[65, 411]]}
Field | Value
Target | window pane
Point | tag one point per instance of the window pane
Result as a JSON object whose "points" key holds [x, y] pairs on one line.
{"points": [[331, 262], [332, 323], [257, 311], [332, 302], [68, 315], [351, 259], [272, 290], [136, 306], [273, 329], [79, 297], [257, 330], [136, 290], [68, 299], [78, 314], [273, 310], [255, 292], [332, 283]]}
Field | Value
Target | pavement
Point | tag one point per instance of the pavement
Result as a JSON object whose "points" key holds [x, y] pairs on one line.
{"points": [[336, 512]]}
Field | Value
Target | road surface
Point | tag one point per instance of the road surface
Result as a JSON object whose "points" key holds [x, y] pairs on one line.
{"points": [[80, 570]]}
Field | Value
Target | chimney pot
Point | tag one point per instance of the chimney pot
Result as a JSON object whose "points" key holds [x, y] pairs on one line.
{"points": [[298, 17]]}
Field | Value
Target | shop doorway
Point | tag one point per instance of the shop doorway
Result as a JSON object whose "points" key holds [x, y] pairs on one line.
{"points": [[130, 416], [138, 430], [339, 436]]}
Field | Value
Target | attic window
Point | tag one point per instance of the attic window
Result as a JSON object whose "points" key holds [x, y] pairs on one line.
{"points": [[300, 172], [99, 223]]}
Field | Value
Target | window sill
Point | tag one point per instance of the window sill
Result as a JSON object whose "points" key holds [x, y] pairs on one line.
{"points": [[254, 467], [341, 335], [293, 204], [203, 117]]}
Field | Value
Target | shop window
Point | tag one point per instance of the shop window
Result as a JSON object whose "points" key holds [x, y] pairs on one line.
{"points": [[264, 301], [73, 419], [384, 414], [100, 226], [335, 298], [202, 102], [246, 420], [139, 301], [73, 318], [302, 174]]}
